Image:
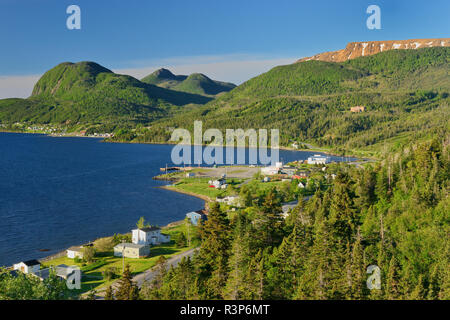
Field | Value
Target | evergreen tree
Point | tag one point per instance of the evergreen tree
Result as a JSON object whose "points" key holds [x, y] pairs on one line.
{"points": [[215, 251], [109, 295], [127, 289], [392, 281]]}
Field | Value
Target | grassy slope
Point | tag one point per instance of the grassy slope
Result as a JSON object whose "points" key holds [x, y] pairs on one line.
{"points": [[93, 279]]}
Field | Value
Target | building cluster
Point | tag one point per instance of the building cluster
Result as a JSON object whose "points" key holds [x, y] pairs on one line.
{"points": [[219, 183], [319, 159], [33, 267]]}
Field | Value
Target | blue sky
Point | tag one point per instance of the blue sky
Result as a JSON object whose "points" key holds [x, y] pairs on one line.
{"points": [[233, 40]]}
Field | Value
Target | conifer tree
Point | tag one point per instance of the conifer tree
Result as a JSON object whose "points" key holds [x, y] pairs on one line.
{"points": [[127, 289], [392, 281], [215, 250], [109, 293]]}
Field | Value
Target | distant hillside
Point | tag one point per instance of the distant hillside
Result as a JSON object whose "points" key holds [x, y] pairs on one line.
{"points": [[196, 83], [368, 48], [405, 92], [87, 92]]}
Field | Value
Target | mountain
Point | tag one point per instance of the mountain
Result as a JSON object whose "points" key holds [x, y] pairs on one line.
{"points": [[363, 49], [163, 77], [195, 83], [88, 92], [405, 94]]}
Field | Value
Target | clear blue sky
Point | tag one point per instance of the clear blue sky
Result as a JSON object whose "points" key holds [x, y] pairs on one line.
{"points": [[125, 34]]}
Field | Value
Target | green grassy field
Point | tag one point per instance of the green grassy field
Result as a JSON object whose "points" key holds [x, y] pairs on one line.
{"points": [[201, 186], [93, 279]]}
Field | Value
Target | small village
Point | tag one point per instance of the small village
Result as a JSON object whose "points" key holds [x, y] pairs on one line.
{"points": [[100, 264]]}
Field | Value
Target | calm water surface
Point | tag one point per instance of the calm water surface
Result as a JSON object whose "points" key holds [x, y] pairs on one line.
{"points": [[58, 192]]}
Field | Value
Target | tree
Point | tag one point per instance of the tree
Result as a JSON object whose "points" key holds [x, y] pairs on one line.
{"points": [[181, 240], [215, 250], [127, 289], [88, 254], [269, 221], [151, 290], [142, 223], [392, 281], [109, 295]]}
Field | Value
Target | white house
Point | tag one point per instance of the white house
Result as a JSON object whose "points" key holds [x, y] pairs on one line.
{"points": [[132, 250], [30, 266], [150, 235], [218, 184], [190, 174], [318, 159], [76, 251], [230, 200]]}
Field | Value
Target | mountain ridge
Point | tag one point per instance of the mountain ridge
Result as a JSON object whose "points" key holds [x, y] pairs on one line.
{"points": [[196, 83], [367, 48]]}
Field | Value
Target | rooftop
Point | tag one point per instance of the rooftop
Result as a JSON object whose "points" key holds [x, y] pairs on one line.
{"points": [[30, 263], [148, 229], [129, 245]]}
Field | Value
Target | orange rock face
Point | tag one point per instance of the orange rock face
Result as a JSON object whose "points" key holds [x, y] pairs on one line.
{"points": [[361, 49]]}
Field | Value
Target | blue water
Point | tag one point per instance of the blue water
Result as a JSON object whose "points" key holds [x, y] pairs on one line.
{"points": [[59, 192]]}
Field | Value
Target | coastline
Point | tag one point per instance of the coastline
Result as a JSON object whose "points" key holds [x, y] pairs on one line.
{"points": [[63, 252], [106, 140], [206, 198]]}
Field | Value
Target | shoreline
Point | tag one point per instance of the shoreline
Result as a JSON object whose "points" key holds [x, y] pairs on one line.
{"points": [[104, 139], [205, 198], [63, 252]]}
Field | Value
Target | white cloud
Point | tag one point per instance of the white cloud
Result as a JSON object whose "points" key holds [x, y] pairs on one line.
{"points": [[231, 68], [17, 86]]}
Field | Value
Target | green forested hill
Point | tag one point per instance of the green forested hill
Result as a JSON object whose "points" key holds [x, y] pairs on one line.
{"points": [[89, 93], [195, 83], [392, 215], [406, 94]]}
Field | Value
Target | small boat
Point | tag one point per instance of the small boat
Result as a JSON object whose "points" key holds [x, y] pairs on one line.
{"points": [[44, 250]]}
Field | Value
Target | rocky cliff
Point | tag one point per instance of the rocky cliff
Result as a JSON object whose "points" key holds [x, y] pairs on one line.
{"points": [[361, 49]]}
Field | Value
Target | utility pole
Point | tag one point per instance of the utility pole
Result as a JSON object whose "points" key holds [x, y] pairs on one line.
{"points": [[123, 256], [189, 233]]}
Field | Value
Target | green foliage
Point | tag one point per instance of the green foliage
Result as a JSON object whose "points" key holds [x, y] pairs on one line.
{"points": [[109, 273], [127, 289], [394, 215], [29, 287], [142, 223], [88, 93], [405, 93]]}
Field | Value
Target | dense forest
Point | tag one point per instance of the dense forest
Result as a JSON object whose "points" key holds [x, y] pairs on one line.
{"points": [[393, 215], [405, 94], [88, 94]]}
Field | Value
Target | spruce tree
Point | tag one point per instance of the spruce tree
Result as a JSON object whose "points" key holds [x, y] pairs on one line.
{"points": [[127, 289]]}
